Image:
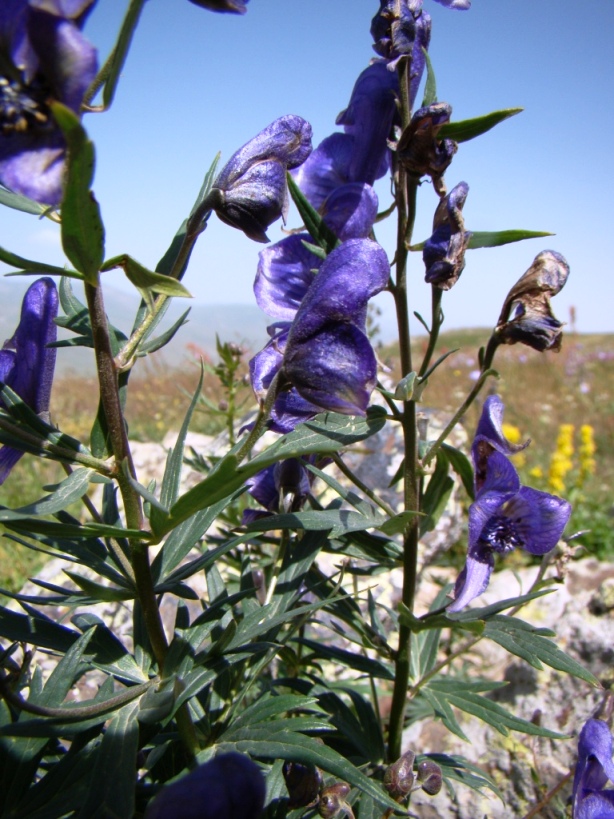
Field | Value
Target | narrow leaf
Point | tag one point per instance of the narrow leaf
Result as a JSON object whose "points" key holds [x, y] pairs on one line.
{"points": [[315, 225], [470, 128]]}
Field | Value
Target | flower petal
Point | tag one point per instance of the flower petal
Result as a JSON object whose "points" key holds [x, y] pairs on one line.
{"points": [[473, 579], [539, 518], [285, 272], [350, 210], [500, 484], [326, 168]]}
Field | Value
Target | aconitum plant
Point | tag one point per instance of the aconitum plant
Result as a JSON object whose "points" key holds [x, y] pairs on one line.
{"points": [[263, 674]]}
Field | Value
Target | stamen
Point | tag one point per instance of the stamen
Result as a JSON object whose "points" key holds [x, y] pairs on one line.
{"points": [[501, 534], [23, 107]]}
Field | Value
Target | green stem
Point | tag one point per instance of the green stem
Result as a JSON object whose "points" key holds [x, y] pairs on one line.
{"points": [[338, 461], [117, 57], [436, 322], [261, 418], [485, 373]]}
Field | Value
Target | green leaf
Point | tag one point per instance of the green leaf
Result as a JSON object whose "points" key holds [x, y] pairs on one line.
{"points": [[82, 228], [339, 521], [112, 784], [496, 238], [73, 530], [470, 128], [207, 184], [144, 279], [436, 495], [99, 592], [70, 489], [328, 432], [163, 339], [19, 202], [120, 51], [34, 268], [430, 87], [349, 659], [485, 612], [315, 225], [466, 697], [169, 490], [503, 237], [438, 621], [459, 769], [530, 643], [462, 466]]}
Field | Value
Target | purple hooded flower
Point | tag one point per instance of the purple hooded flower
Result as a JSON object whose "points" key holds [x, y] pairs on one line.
{"points": [[250, 193], [26, 362], [504, 515], [43, 58], [229, 786], [444, 252], [420, 150], [591, 799], [282, 487], [232, 6], [526, 316], [328, 357]]}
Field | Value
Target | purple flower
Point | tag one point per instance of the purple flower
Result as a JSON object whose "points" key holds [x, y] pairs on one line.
{"points": [[250, 193], [328, 357], [229, 786], [43, 58], [444, 252], [26, 362], [232, 6], [420, 150], [282, 487], [504, 515], [591, 800], [527, 316]]}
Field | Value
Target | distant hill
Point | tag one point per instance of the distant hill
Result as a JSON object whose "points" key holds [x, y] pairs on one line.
{"points": [[242, 323]]}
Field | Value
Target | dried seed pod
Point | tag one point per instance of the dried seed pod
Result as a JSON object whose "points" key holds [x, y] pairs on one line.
{"points": [[399, 777], [429, 774], [332, 800], [303, 783]]}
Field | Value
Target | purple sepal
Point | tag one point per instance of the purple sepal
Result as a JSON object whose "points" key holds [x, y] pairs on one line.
{"points": [[289, 410], [326, 169], [350, 211], [505, 515], [369, 119], [26, 362], [229, 786], [50, 60], [328, 357], [444, 251], [591, 800], [459, 5], [281, 487], [250, 192], [285, 271]]}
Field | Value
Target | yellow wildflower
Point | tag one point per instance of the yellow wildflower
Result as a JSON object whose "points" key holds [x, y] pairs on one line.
{"points": [[514, 436], [586, 451], [561, 461]]}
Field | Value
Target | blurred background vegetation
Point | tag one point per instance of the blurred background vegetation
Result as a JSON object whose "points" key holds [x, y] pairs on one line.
{"points": [[563, 402]]}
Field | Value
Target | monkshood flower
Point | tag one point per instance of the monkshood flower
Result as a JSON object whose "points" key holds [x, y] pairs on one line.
{"points": [[361, 153], [232, 6], [43, 58], [320, 346], [526, 316], [26, 362], [420, 150], [282, 487], [328, 357], [250, 193], [444, 251], [229, 786], [591, 799], [504, 515]]}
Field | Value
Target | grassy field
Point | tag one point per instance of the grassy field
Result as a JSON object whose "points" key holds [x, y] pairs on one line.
{"points": [[542, 392]]}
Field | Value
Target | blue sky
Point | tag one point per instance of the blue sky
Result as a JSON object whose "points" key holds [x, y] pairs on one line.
{"points": [[196, 83]]}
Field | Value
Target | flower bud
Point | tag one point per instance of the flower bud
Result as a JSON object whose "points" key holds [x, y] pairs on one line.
{"points": [[332, 800], [303, 783], [399, 777], [250, 193], [526, 316], [429, 774]]}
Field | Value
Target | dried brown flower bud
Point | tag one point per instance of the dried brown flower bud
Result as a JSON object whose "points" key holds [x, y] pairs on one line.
{"points": [[399, 777], [303, 783], [429, 774], [332, 800]]}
